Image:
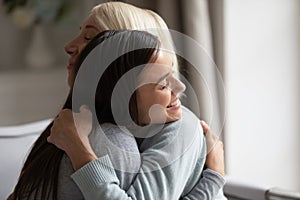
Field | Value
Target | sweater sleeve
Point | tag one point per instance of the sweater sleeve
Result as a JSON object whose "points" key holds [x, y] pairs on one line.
{"points": [[168, 160], [209, 187]]}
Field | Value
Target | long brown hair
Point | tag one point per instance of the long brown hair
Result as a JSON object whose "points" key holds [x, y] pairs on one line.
{"points": [[39, 175]]}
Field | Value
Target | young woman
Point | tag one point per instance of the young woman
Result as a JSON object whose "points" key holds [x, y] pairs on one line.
{"points": [[163, 154], [43, 165]]}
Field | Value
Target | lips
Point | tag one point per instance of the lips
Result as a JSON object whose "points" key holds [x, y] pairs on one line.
{"points": [[70, 65], [174, 105]]}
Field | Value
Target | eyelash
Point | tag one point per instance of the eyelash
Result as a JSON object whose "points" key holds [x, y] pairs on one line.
{"points": [[165, 85], [86, 38]]}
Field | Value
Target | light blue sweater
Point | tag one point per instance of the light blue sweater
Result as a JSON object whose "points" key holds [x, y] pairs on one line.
{"points": [[171, 167]]}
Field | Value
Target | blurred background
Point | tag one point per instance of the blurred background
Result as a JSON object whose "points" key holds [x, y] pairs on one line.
{"points": [[255, 45]]}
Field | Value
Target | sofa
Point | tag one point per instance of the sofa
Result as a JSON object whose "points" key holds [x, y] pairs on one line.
{"points": [[15, 142]]}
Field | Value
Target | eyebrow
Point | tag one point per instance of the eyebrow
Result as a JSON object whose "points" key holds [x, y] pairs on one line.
{"points": [[162, 78], [89, 26]]}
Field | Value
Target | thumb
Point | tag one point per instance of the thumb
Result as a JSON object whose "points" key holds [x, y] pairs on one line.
{"points": [[49, 139], [84, 108], [84, 113]]}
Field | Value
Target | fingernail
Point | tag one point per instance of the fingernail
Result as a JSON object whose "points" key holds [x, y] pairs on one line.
{"points": [[84, 107]]}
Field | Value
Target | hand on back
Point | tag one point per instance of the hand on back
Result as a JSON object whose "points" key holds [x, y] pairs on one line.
{"points": [[70, 129], [215, 150]]}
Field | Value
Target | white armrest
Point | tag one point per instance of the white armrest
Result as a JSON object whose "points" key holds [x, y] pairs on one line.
{"points": [[236, 189], [24, 129], [15, 142], [277, 193]]}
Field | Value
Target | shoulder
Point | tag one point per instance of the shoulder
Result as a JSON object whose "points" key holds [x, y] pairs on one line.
{"points": [[188, 117], [178, 141], [188, 128], [189, 124], [118, 136], [108, 136], [118, 144], [67, 188]]}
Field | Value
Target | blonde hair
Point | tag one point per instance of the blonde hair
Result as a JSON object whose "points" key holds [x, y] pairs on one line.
{"points": [[119, 16]]}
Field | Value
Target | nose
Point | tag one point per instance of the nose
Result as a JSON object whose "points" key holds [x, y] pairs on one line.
{"points": [[177, 86], [71, 48]]}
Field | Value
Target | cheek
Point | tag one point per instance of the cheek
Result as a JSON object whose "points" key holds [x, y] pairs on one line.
{"points": [[162, 98], [80, 43], [81, 46]]}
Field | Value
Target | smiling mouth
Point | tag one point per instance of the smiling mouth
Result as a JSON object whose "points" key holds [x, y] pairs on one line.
{"points": [[174, 105]]}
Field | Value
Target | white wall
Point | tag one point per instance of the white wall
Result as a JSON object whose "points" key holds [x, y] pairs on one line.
{"points": [[28, 95], [262, 45]]}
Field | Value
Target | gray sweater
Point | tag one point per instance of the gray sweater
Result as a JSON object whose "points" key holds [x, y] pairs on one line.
{"points": [[105, 140], [169, 167]]}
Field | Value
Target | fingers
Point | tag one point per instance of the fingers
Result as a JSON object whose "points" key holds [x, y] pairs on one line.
{"points": [[83, 108], [67, 125], [211, 138], [215, 159], [218, 144], [204, 126], [68, 112], [84, 112], [215, 152], [207, 131], [50, 140]]}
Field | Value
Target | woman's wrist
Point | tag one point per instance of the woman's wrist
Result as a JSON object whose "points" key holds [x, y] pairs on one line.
{"points": [[219, 171], [80, 160], [81, 154]]}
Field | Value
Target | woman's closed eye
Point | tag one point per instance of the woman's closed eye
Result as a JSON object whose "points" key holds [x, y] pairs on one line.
{"points": [[90, 34], [164, 85], [87, 38]]}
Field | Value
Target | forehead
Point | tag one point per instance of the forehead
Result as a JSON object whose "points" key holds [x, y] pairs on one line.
{"points": [[164, 58], [90, 23], [154, 71]]}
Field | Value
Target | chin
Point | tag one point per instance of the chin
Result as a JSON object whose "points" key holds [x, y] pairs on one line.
{"points": [[163, 117], [173, 118]]}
